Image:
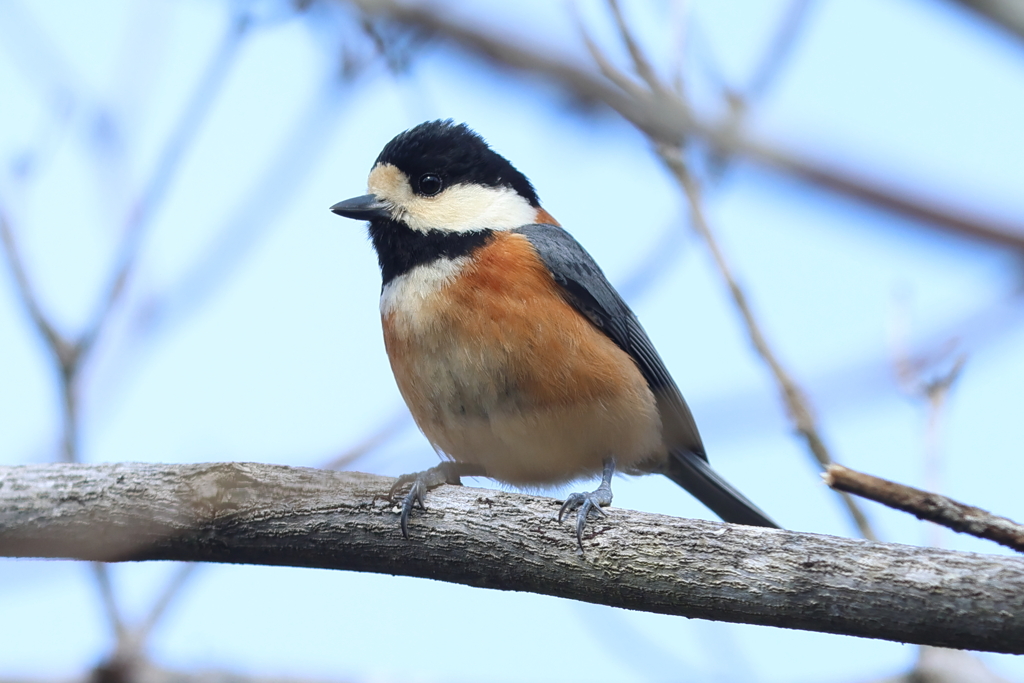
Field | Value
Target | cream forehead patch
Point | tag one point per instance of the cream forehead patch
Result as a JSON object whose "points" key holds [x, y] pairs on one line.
{"points": [[458, 208]]}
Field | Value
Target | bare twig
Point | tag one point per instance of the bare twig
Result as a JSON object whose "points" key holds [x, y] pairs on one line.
{"points": [[160, 180], [796, 402], [640, 62], [779, 49], [928, 506], [668, 121], [912, 378], [249, 221], [70, 356], [936, 392], [769, 67], [102, 574], [1008, 14], [384, 433], [793, 397], [171, 591], [26, 293], [273, 515]]}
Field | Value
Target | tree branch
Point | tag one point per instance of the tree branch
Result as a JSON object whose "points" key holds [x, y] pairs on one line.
{"points": [[1008, 14], [928, 506], [665, 118], [798, 406], [266, 514]]}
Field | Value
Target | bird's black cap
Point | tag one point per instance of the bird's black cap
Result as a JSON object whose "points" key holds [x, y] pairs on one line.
{"points": [[457, 155]]}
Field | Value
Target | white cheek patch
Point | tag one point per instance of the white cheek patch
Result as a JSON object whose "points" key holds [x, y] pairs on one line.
{"points": [[408, 295], [459, 208]]}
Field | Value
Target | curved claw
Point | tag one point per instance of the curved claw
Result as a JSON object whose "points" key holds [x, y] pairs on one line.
{"points": [[584, 504], [588, 506], [571, 503], [414, 497], [445, 473], [400, 482]]}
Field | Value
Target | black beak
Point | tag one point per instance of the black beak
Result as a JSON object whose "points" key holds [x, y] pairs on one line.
{"points": [[364, 208]]}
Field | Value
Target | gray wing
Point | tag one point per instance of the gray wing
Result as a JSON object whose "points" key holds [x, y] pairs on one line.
{"points": [[589, 291], [586, 288]]}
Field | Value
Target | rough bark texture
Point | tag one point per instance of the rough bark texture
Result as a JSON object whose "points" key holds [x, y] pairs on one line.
{"points": [[266, 514], [932, 507]]}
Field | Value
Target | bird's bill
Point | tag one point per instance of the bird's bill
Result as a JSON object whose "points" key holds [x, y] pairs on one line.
{"points": [[363, 208]]}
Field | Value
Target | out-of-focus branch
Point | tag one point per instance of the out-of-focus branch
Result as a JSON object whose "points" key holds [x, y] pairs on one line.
{"points": [[771, 64], [1009, 14], [666, 119], [769, 67], [266, 514], [387, 430], [156, 188], [102, 575], [793, 397], [917, 379], [267, 196], [70, 355], [26, 293], [929, 506], [796, 402]]}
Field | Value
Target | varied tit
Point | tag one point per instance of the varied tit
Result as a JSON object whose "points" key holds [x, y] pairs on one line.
{"points": [[517, 358]]}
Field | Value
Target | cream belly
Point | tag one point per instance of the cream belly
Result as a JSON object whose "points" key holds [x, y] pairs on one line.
{"points": [[509, 376]]}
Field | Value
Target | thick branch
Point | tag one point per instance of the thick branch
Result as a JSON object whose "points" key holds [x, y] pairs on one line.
{"points": [[265, 514], [928, 506]]}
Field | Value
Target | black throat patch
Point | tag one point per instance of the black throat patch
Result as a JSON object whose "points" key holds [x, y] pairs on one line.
{"points": [[400, 248]]}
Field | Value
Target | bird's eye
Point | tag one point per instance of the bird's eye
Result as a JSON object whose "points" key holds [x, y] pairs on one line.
{"points": [[430, 184]]}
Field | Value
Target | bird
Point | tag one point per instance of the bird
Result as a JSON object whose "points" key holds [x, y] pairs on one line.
{"points": [[517, 358]]}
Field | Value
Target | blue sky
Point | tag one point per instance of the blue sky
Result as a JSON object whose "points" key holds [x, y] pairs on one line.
{"points": [[278, 357]]}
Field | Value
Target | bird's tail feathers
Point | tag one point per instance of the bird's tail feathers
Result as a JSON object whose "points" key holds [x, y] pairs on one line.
{"points": [[694, 474]]}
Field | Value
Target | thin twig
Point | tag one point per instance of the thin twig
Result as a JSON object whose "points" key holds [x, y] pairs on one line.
{"points": [[793, 397], [102, 574], [70, 356], [1007, 14], [770, 66], [626, 84], [937, 392], [668, 121], [933, 392], [171, 591], [640, 62], [384, 433], [250, 220], [796, 402], [928, 506], [155, 189], [786, 36], [23, 287]]}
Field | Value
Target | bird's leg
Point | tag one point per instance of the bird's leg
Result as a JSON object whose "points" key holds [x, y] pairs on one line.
{"points": [[446, 473], [585, 503]]}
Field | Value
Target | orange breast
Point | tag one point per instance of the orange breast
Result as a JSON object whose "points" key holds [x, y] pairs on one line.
{"points": [[499, 370]]}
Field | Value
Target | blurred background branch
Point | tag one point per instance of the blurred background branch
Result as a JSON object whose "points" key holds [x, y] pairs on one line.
{"points": [[1007, 14]]}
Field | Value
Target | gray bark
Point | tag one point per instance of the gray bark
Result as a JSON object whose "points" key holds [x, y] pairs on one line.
{"points": [[266, 514]]}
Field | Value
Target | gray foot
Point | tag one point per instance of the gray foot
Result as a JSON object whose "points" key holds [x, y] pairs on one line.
{"points": [[445, 473], [592, 502]]}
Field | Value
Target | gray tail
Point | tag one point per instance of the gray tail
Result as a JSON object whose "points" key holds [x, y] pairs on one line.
{"points": [[694, 474]]}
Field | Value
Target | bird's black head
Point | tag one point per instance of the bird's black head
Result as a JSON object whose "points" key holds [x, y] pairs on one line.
{"points": [[438, 191], [437, 155]]}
